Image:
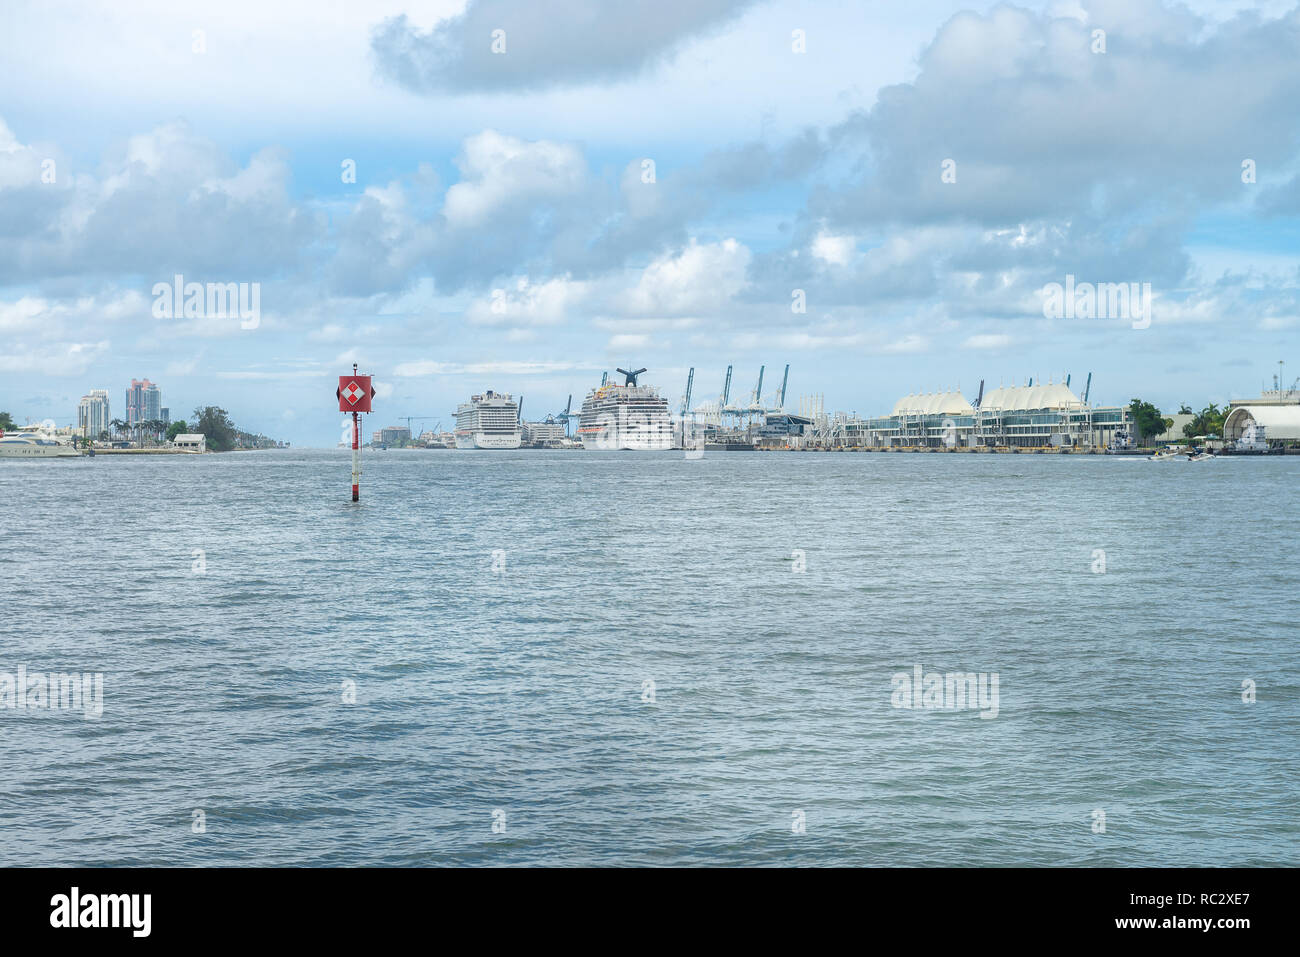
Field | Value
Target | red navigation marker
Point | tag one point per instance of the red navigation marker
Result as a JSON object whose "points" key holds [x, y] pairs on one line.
{"points": [[354, 394]]}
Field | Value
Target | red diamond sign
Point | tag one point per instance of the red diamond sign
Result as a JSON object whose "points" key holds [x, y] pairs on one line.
{"points": [[354, 393]]}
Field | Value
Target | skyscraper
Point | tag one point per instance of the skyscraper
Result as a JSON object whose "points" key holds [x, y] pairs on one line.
{"points": [[93, 414], [143, 402]]}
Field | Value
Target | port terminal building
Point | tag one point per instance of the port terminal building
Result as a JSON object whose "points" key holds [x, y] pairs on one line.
{"points": [[1273, 418], [1029, 416]]}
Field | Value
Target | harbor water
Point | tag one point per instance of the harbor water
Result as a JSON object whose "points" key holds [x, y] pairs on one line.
{"points": [[503, 658]]}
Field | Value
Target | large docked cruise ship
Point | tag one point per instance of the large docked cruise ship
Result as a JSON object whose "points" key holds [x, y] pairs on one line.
{"points": [[488, 421], [627, 416]]}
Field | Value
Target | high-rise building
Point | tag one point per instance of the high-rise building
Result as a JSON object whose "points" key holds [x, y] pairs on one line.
{"points": [[93, 414], [166, 415], [143, 402]]}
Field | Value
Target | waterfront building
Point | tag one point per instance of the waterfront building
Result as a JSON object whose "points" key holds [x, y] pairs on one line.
{"points": [[1027, 416], [394, 435], [143, 402], [540, 433], [93, 414], [1275, 414], [193, 442]]}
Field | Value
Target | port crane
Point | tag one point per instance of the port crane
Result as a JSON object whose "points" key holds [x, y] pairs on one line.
{"points": [[780, 402], [686, 399], [566, 416]]}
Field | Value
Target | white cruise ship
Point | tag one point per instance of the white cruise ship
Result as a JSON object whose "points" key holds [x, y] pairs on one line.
{"points": [[627, 416], [34, 442], [488, 421]]}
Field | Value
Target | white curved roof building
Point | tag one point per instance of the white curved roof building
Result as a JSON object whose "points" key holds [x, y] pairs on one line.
{"points": [[1022, 398], [1279, 421], [933, 403]]}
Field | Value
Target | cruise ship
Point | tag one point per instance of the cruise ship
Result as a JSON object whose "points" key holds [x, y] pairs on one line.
{"points": [[488, 421], [34, 442], [627, 416]]}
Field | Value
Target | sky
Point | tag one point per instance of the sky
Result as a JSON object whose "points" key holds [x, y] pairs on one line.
{"points": [[501, 194]]}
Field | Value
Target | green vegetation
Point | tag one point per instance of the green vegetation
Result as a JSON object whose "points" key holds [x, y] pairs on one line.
{"points": [[176, 428], [6, 423], [221, 434], [1209, 421], [1148, 419], [215, 425]]}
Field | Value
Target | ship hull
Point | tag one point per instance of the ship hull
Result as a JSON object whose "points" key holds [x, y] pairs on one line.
{"points": [[484, 440], [37, 452]]}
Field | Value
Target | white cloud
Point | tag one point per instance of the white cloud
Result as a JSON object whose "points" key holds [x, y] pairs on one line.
{"points": [[836, 250], [700, 279], [499, 170]]}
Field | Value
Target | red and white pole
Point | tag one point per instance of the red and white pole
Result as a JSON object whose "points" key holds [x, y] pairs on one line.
{"points": [[356, 456], [354, 394]]}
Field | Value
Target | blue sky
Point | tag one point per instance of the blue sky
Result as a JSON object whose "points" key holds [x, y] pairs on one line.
{"points": [[519, 174]]}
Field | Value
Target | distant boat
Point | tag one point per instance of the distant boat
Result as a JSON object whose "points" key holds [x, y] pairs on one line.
{"points": [[34, 442]]}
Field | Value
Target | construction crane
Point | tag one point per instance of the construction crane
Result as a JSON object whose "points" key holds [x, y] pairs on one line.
{"points": [[629, 378], [417, 418], [686, 399]]}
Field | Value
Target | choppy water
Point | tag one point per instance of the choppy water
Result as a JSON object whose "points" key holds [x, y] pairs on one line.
{"points": [[523, 691]]}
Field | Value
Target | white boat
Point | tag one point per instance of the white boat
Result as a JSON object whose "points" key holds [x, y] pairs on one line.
{"points": [[627, 416], [488, 421], [34, 442]]}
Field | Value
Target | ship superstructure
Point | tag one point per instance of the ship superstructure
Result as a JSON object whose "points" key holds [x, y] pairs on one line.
{"points": [[628, 416]]}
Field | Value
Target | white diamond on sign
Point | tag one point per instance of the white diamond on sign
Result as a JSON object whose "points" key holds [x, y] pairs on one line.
{"points": [[353, 392]]}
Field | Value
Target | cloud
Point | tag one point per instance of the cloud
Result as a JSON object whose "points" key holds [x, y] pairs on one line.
{"points": [[54, 358], [502, 171], [428, 367], [557, 43], [699, 279], [164, 202]]}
